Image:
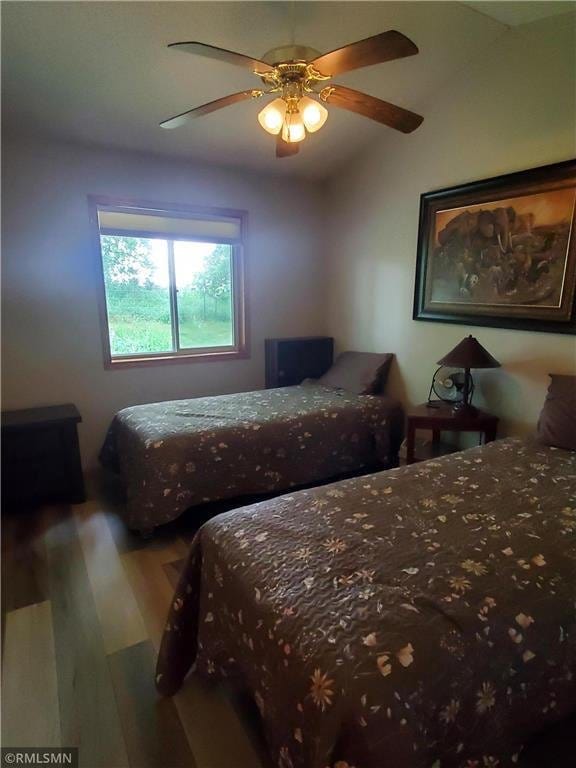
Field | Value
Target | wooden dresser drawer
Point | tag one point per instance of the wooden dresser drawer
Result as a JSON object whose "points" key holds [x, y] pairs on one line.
{"points": [[34, 479], [26, 445]]}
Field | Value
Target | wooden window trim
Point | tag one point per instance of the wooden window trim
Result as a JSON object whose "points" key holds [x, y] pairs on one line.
{"points": [[240, 351]]}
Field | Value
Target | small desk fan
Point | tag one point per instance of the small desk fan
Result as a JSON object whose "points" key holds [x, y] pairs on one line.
{"points": [[448, 385]]}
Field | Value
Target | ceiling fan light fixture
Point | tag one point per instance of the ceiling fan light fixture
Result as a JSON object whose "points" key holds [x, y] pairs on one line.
{"points": [[295, 73], [314, 115], [271, 118], [293, 129]]}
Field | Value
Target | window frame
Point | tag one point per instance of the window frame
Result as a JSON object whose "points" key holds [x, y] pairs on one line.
{"points": [[240, 349]]}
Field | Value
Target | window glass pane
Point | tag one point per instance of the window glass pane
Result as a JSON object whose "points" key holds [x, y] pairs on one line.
{"points": [[137, 294], [204, 284]]}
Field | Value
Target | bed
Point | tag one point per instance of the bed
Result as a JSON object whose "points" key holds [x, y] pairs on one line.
{"points": [[423, 617], [178, 454]]}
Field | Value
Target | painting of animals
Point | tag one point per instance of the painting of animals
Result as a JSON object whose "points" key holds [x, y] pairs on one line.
{"points": [[505, 259]]}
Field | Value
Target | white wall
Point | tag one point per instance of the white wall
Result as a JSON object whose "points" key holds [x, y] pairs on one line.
{"points": [[513, 109], [52, 346]]}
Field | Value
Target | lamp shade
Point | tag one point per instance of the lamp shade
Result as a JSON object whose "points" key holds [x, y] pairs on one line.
{"points": [[314, 114], [271, 118], [469, 353], [293, 129]]}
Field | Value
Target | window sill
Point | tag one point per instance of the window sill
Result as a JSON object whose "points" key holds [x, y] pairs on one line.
{"points": [[168, 359]]}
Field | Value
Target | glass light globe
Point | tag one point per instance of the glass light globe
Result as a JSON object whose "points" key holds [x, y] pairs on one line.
{"points": [[314, 114], [293, 129], [271, 118]]}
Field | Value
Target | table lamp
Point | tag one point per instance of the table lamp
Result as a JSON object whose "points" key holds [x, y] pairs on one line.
{"points": [[469, 353]]}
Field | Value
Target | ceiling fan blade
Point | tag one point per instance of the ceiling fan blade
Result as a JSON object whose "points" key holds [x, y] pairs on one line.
{"points": [[368, 106], [221, 54], [373, 50], [211, 106], [286, 148]]}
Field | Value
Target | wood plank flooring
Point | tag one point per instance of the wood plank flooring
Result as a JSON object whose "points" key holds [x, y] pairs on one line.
{"points": [[84, 606], [36, 719]]}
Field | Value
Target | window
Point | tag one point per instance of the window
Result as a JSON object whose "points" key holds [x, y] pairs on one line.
{"points": [[173, 282]]}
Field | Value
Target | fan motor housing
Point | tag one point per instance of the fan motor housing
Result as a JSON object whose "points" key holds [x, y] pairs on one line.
{"points": [[290, 53]]}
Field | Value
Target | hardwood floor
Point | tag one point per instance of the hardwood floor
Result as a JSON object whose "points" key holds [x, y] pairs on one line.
{"points": [[84, 605]]}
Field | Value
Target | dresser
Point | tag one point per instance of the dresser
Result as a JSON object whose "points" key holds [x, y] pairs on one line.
{"points": [[41, 456], [290, 361]]}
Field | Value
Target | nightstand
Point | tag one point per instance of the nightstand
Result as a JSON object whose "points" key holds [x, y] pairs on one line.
{"points": [[441, 418], [41, 456]]}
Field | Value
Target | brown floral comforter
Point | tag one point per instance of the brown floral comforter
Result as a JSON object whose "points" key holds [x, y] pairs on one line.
{"points": [[421, 617], [177, 454]]}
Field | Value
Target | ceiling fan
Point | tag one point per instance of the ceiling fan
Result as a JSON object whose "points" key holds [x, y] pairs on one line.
{"points": [[297, 74]]}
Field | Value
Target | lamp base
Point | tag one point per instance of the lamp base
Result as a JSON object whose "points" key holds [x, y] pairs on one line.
{"points": [[464, 409]]}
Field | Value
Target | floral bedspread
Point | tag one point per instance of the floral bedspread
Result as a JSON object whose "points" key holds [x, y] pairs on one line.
{"points": [[177, 454], [419, 617]]}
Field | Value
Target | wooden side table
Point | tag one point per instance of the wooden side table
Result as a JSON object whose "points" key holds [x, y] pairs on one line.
{"points": [[440, 418], [41, 456]]}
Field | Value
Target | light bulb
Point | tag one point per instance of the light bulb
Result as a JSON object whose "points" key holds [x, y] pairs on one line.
{"points": [[293, 129], [314, 114], [271, 118]]}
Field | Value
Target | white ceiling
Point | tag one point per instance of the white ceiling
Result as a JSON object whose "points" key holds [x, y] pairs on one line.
{"points": [[100, 72], [514, 13]]}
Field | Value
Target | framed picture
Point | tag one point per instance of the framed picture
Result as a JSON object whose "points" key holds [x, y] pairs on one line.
{"points": [[501, 252]]}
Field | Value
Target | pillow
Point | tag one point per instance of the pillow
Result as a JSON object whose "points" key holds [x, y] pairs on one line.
{"points": [[363, 373], [557, 422]]}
